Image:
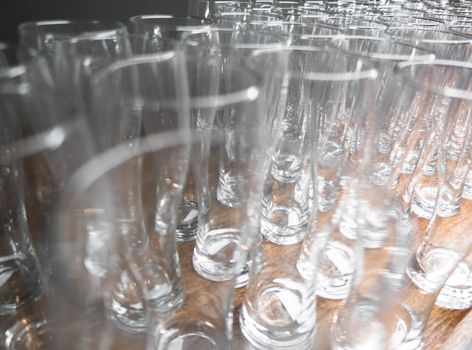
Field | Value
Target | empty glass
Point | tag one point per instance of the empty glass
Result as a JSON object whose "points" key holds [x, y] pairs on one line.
{"points": [[447, 144], [43, 35], [161, 29], [133, 97], [444, 44], [383, 53], [40, 150], [235, 102]]}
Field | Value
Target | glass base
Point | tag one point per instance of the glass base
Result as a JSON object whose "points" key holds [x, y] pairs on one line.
{"points": [[35, 335], [293, 232], [424, 201], [187, 226], [292, 336], [467, 193], [356, 328], [19, 284], [191, 335], [217, 257], [457, 292], [286, 168], [336, 271], [129, 318]]}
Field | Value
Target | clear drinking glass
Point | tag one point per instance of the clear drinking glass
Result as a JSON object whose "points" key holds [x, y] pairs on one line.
{"points": [[133, 97], [40, 150], [104, 310], [370, 313], [75, 60], [445, 45], [456, 294], [210, 257], [435, 260], [20, 271], [43, 35], [279, 310], [447, 142], [161, 29], [383, 53]]}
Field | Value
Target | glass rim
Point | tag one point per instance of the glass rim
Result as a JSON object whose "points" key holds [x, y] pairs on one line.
{"points": [[68, 21], [467, 39], [445, 91], [367, 74], [240, 46], [247, 94], [134, 19], [427, 56], [119, 27]]}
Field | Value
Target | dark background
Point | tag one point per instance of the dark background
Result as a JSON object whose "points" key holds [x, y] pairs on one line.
{"points": [[14, 12]]}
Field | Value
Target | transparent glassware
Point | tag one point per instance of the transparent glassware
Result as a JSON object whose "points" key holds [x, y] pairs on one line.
{"points": [[98, 264], [302, 34], [42, 36], [448, 139], [434, 261], [205, 319], [456, 294], [408, 120], [340, 263], [160, 30], [467, 192], [279, 310], [445, 44], [371, 311], [129, 103], [75, 60], [383, 53], [209, 256], [40, 150], [20, 272], [405, 19]]}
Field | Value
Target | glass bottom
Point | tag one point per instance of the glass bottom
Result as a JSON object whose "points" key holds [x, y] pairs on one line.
{"points": [[187, 219], [19, 283], [216, 257], [35, 335], [457, 292], [191, 335], [284, 225], [424, 202], [408, 334], [357, 328], [288, 333], [381, 174], [336, 271], [286, 168], [467, 192]]}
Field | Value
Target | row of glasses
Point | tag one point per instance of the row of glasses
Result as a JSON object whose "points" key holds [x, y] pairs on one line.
{"points": [[131, 285]]}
